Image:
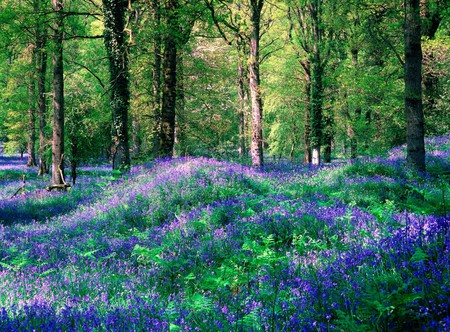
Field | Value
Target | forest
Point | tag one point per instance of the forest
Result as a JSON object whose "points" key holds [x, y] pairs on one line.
{"points": [[224, 165]]}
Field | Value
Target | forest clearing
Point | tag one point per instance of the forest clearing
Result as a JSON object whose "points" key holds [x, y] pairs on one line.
{"points": [[196, 244]]}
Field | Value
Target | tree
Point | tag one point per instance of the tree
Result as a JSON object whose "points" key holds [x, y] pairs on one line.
{"points": [[313, 36], [41, 36], [114, 34], [232, 26], [257, 151], [413, 86], [169, 96], [58, 95]]}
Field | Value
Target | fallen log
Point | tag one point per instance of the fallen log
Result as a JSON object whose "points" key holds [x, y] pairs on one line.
{"points": [[59, 187]]}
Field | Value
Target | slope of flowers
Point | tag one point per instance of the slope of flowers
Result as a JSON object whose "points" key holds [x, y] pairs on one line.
{"points": [[198, 244]]}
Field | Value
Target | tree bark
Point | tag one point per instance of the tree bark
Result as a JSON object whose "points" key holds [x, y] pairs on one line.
{"points": [[58, 96], [31, 146], [255, 83], [41, 68], [242, 95], [413, 87], [156, 85], [114, 35], [169, 97], [307, 90], [316, 83]]}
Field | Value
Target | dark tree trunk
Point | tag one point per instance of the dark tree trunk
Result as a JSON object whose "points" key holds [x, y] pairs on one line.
{"points": [[255, 84], [156, 85], [170, 82], [328, 138], [58, 96], [114, 34], [413, 87]]}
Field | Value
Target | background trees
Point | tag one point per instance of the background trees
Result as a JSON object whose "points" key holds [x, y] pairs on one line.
{"points": [[331, 76]]}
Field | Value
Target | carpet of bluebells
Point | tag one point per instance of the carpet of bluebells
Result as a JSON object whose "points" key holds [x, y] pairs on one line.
{"points": [[204, 245]]}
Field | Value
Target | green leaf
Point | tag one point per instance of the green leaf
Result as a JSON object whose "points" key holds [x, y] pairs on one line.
{"points": [[419, 256]]}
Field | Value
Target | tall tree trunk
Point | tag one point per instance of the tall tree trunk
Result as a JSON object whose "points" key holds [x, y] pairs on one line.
{"points": [[156, 85], [351, 129], [255, 83], [31, 146], [316, 111], [413, 87], [41, 69], [180, 125], [170, 82], [316, 83], [242, 83], [307, 91], [58, 96], [114, 34]]}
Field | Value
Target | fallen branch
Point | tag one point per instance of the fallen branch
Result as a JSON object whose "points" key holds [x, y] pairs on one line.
{"points": [[22, 188], [59, 186]]}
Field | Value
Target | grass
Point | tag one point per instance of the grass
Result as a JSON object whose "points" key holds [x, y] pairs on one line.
{"points": [[198, 244]]}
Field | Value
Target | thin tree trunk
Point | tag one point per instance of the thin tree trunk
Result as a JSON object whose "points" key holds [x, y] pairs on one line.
{"points": [[114, 13], [351, 129], [242, 83], [31, 146], [307, 91], [41, 64], [316, 84], [170, 82], [180, 125], [316, 112], [413, 87], [58, 96], [255, 85]]}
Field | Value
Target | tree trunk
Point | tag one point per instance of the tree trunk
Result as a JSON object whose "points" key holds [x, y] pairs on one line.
{"points": [[328, 138], [316, 111], [255, 86], [170, 82], [180, 125], [316, 84], [58, 96], [41, 68], [31, 147], [413, 87], [242, 83], [114, 34], [156, 85], [307, 91]]}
